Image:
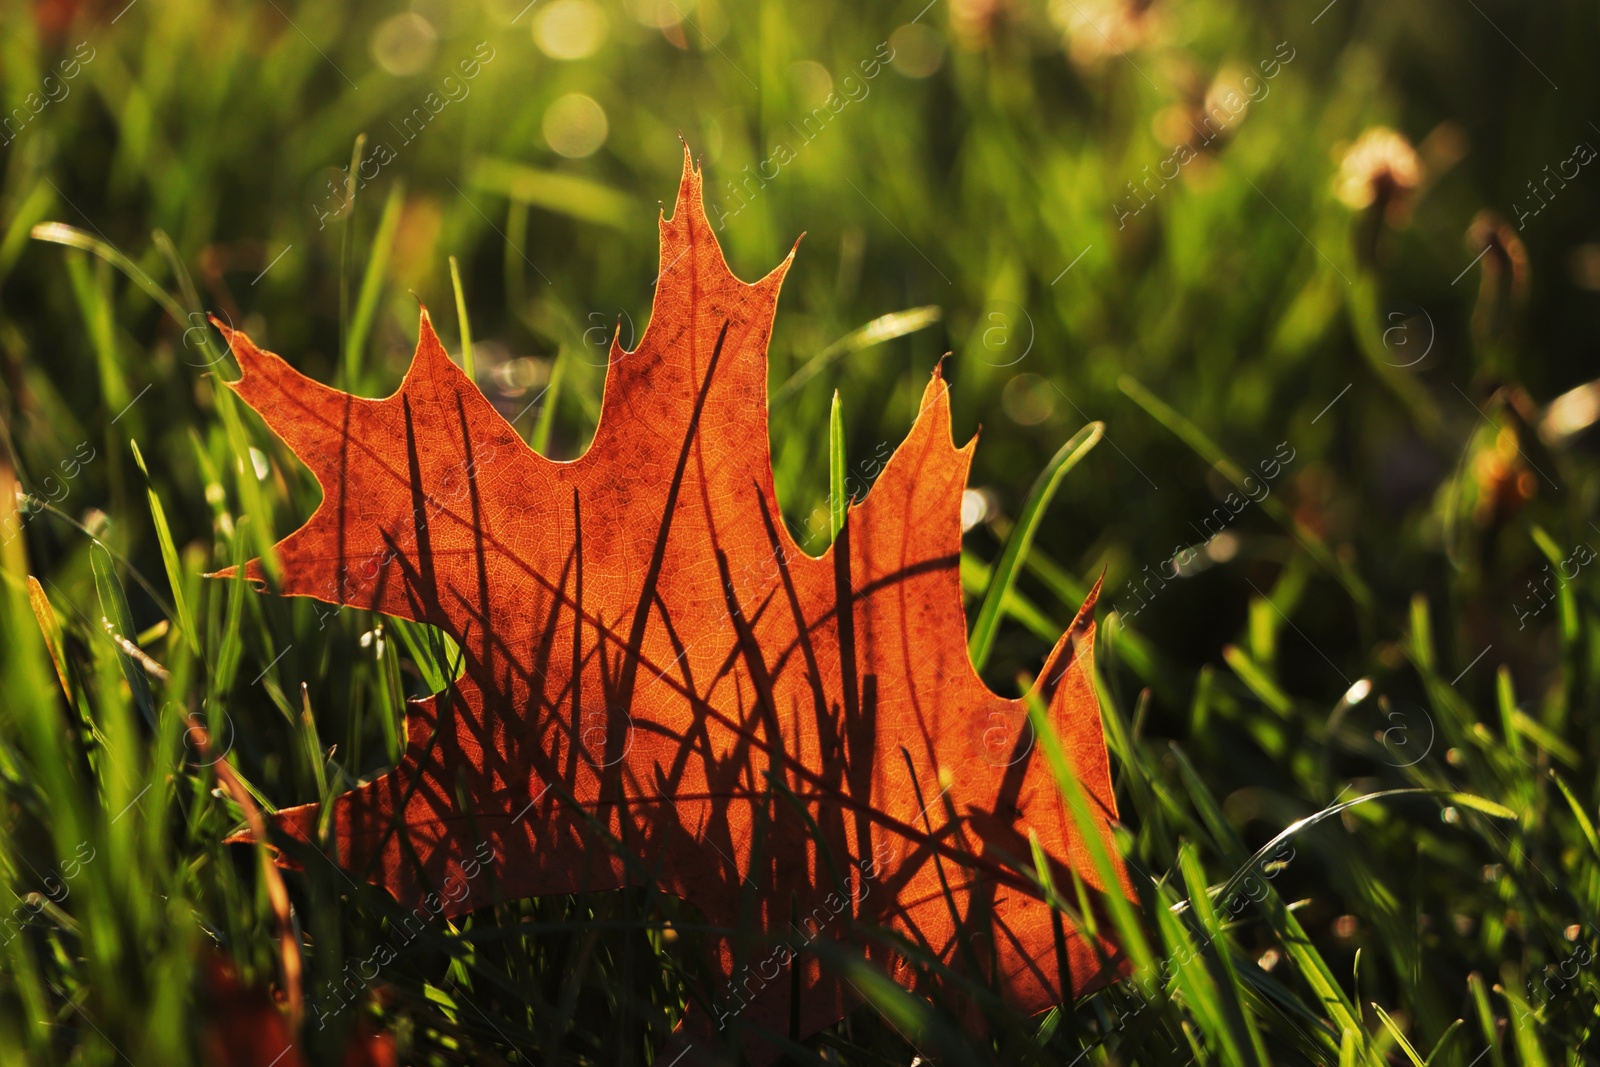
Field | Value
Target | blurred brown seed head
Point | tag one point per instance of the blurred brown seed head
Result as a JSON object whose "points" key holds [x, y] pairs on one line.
{"points": [[976, 22], [1096, 30], [1504, 481], [1380, 171], [1503, 279], [1505, 266]]}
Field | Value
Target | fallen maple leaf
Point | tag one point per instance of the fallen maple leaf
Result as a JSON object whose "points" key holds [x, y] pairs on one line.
{"points": [[242, 1026], [660, 686]]}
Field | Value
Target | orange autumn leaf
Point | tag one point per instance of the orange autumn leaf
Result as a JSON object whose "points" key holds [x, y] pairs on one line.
{"points": [[242, 1026], [659, 686]]}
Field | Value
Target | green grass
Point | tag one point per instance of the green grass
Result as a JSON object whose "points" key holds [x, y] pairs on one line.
{"points": [[1354, 740]]}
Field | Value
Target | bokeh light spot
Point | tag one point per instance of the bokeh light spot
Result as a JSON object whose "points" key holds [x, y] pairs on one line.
{"points": [[570, 29], [404, 44], [918, 50], [575, 126], [1028, 399]]}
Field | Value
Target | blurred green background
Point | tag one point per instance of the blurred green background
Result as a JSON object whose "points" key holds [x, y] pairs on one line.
{"points": [[1340, 260]]}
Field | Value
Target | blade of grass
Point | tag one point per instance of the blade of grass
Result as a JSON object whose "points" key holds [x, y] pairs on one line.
{"points": [[1421, 634], [987, 624], [257, 508], [1096, 839], [976, 576], [838, 505], [564, 194], [1584, 822], [50, 626], [231, 645], [1524, 1026], [180, 273], [116, 614], [1225, 839], [1400, 1038], [169, 554], [540, 441], [1348, 1049], [345, 237], [62, 234], [29, 212], [1506, 701], [394, 713], [461, 317], [1255, 678], [431, 667], [1566, 600], [372, 282], [1449, 1032], [91, 285], [1488, 1025], [1238, 1031], [1292, 935], [1477, 803], [314, 753], [881, 329], [122, 561], [512, 262], [1545, 739], [1196, 989]]}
